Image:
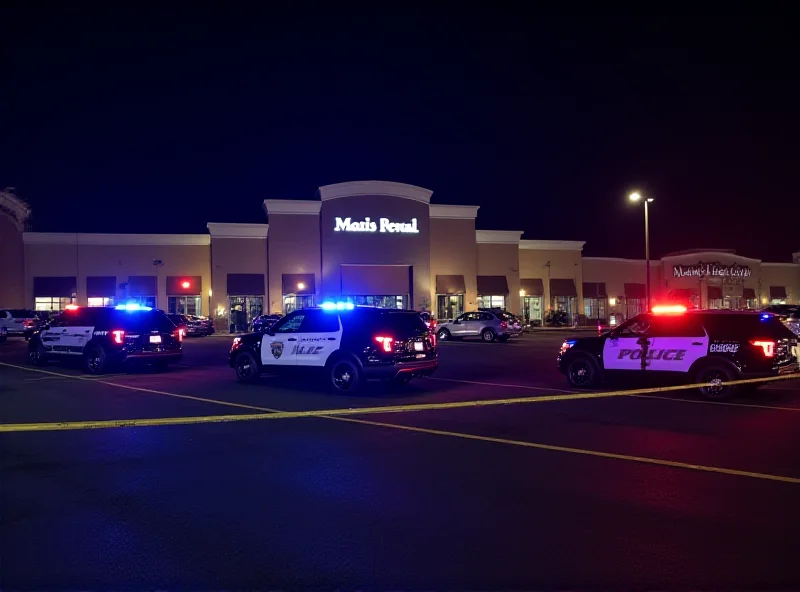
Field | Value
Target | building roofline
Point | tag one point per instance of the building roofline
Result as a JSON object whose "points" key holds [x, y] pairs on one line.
{"points": [[225, 230], [700, 254], [551, 245], [503, 237], [454, 212], [292, 206], [71, 238], [621, 260], [379, 188], [778, 264]]}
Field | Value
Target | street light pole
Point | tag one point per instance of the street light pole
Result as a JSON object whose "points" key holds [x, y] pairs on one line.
{"points": [[635, 197]]}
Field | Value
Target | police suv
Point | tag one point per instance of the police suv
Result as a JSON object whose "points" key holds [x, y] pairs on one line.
{"points": [[102, 337], [696, 347], [348, 344]]}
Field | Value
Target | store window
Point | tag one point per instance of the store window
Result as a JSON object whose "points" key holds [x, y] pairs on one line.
{"points": [[292, 302], [495, 301], [594, 308], [449, 306], [633, 307], [52, 304], [396, 301], [188, 305], [564, 304], [243, 311], [143, 301], [532, 309], [100, 301], [751, 303]]}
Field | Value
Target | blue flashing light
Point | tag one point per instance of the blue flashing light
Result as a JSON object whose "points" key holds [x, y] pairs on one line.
{"points": [[766, 316], [337, 306], [130, 306], [571, 342]]}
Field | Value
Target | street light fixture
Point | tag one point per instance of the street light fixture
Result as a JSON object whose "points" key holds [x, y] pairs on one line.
{"points": [[637, 197]]}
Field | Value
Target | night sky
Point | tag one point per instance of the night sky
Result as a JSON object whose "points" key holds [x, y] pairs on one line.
{"points": [[163, 122]]}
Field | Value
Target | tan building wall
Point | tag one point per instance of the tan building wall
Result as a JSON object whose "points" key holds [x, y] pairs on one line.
{"points": [[781, 274], [375, 248], [618, 272], [454, 252], [235, 255], [294, 247], [555, 264], [502, 259], [13, 215], [69, 258]]}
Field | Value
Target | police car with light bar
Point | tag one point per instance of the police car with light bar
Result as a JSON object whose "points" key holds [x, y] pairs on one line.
{"points": [[348, 344], [103, 337], [713, 347]]}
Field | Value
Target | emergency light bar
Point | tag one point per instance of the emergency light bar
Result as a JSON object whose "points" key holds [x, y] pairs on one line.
{"points": [[337, 306], [132, 306], [669, 309]]}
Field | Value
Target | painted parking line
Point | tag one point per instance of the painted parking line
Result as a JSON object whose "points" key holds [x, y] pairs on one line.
{"points": [[578, 451]]}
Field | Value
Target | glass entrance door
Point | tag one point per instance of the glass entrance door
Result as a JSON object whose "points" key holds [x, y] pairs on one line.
{"points": [[532, 309], [449, 306], [243, 310], [188, 305]]}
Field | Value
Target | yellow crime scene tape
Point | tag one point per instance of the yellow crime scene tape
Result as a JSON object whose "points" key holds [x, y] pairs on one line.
{"points": [[277, 414]]}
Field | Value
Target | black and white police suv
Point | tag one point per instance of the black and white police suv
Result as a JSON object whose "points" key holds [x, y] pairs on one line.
{"points": [[692, 347], [348, 344], [103, 337]]}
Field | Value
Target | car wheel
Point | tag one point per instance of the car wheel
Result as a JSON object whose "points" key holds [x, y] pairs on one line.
{"points": [[717, 375], [443, 335], [95, 360], [583, 372], [488, 335], [345, 376], [37, 355], [246, 367]]}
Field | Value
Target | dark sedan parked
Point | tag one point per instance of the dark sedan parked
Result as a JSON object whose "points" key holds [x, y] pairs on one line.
{"points": [[264, 322]]}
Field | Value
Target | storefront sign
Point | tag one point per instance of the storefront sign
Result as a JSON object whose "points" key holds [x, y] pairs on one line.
{"points": [[711, 269], [383, 225]]}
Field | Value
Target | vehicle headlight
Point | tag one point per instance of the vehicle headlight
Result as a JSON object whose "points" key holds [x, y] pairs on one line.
{"points": [[236, 341], [566, 345]]}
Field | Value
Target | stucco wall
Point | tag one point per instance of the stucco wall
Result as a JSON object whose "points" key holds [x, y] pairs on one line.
{"points": [[375, 248], [562, 264], [235, 255], [12, 255], [787, 275], [294, 247], [502, 259], [454, 252]]}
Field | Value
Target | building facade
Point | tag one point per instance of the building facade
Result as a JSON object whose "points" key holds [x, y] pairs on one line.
{"points": [[368, 242]]}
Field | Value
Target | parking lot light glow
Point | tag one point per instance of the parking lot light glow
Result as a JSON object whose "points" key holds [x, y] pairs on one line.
{"points": [[635, 196]]}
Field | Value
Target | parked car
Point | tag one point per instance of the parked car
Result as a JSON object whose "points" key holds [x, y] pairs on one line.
{"points": [[488, 326], [789, 315], [264, 322], [19, 321], [181, 323], [199, 326], [429, 320], [3, 333]]}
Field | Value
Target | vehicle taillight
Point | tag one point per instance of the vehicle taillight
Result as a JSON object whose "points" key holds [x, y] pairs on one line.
{"points": [[433, 338], [178, 333], [27, 323], [386, 342], [119, 336], [503, 324], [433, 323], [767, 346]]}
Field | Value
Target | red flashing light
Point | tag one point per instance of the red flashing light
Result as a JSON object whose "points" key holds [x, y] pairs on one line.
{"points": [[186, 284], [386, 341], [119, 336], [767, 346], [669, 309], [71, 307]]}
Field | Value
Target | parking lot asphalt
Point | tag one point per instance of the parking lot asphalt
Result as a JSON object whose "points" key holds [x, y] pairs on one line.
{"points": [[658, 490]]}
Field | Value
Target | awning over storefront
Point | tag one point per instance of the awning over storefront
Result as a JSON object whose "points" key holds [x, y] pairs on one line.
{"points": [[532, 287], [245, 284], [101, 286], [142, 285], [777, 292], [58, 287], [562, 287], [594, 290], [450, 284], [749, 293], [300, 284], [714, 293], [376, 280], [178, 285], [492, 285], [635, 291]]}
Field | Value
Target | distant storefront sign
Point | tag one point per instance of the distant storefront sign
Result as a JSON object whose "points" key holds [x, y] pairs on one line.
{"points": [[702, 270]]}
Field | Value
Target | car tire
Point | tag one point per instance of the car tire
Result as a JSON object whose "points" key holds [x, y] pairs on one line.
{"points": [[488, 335], [583, 372], [443, 335], [246, 367], [344, 376], [95, 360], [37, 355], [719, 374]]}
